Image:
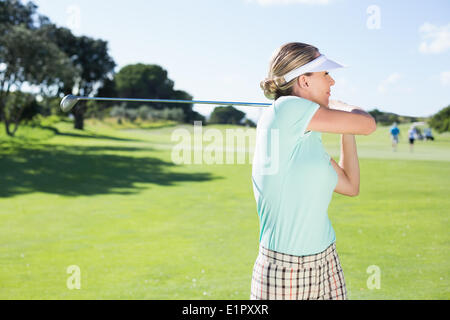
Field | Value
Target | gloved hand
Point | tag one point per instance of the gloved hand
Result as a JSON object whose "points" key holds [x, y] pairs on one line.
{"points": [[339, 105]]}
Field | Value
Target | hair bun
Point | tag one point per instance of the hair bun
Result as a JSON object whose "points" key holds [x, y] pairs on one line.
{"points": [[269, 86]]}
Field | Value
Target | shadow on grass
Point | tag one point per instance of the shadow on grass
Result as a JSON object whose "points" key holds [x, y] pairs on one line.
{"points": [[78, 171], [90, 135]]}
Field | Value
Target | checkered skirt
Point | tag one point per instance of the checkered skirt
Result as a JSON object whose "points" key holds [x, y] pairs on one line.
{"points": [[279, 276]]}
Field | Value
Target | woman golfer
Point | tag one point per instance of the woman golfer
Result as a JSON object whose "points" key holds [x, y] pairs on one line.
{"points": [[294, 177]]}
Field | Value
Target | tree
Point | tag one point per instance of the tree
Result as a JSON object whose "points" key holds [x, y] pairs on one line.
{"points": [[14, 13], [189, 115], [27, 57], [67, 43], [142, 80], [26, 103], [441, 120], [108, 89], [95, 65], [91, 64], [151, 82], [226, 115], [90, 57], [249, 123]]}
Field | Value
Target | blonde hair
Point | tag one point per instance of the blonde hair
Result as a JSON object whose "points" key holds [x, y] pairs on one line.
{"points": [[288, 57]]}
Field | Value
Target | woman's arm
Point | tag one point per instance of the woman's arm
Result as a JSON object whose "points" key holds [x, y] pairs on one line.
{"points": [[348, 168], [349, 161], [342, 119]]}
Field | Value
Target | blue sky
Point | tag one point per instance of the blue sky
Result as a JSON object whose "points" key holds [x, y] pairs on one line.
{"points": [[398, 51]]}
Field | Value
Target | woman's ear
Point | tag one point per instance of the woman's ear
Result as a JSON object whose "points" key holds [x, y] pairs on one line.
{"points": [[303, 82]]}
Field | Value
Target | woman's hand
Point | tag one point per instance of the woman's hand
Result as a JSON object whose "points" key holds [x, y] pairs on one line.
{"points": [[342, 106], [339, 105]]}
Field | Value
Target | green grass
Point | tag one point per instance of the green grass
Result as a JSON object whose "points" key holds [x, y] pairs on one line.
{"points": [[140, 227]]}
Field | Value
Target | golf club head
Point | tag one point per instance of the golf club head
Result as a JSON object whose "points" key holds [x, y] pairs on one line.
{"points": [[68, 102]]}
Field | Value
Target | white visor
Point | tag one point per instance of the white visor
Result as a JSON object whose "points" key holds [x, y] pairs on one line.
{"points": [[321, 63]]}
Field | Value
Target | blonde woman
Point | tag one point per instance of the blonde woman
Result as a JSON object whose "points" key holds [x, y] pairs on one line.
{"points": [[294, 178]]}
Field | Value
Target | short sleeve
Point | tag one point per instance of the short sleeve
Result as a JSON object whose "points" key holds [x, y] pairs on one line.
{"points": [[294, 114]]}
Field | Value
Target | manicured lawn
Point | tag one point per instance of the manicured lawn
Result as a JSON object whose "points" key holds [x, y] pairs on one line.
{"points": [[139, 226]]}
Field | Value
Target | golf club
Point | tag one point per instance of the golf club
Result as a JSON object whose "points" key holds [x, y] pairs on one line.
{"points": [[69, 101]]}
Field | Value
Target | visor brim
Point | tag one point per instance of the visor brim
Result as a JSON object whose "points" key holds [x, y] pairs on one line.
{"points": [[321, 63]]}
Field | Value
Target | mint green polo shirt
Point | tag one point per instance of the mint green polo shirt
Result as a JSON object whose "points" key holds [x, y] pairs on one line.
{"points": [[293, 180]]}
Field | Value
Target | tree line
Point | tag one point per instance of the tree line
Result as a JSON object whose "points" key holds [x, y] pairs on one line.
{"points": [[39, 59], [37, 54], [439, 121]]}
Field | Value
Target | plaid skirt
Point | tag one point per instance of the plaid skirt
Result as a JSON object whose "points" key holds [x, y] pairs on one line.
{"points": [[279, 276]]}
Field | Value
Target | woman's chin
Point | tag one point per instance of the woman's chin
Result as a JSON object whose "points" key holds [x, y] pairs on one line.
{"points": [[325, 103]]}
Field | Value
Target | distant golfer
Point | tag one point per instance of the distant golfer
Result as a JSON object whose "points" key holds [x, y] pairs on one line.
{"points": [[412, 136], [395, 132], [294, 177]]}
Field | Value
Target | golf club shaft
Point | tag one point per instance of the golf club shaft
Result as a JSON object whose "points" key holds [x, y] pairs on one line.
{"points": [[228, 103]]}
